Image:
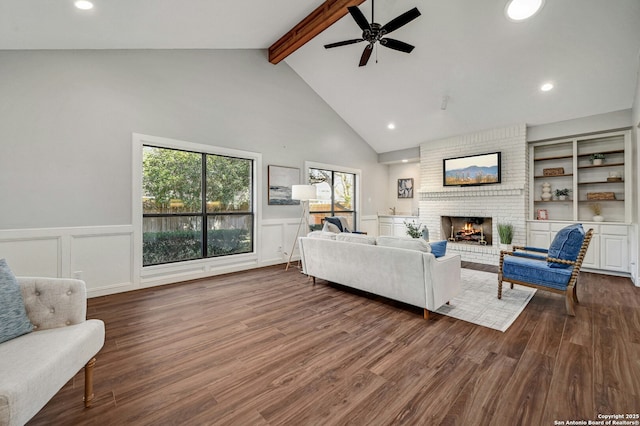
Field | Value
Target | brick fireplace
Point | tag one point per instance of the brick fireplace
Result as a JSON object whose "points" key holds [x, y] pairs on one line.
{"points": [[505, 202]]}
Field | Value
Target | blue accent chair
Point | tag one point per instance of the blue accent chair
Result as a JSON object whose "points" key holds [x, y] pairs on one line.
{"points": [[555, 269]]}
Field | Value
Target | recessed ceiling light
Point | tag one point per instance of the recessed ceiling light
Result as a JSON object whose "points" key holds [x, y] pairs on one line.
{"points": [[405, 161], [519, 10], [391, 126], [546, 87], [83, 4]]}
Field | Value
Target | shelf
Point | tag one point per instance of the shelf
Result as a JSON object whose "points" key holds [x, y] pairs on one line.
{"points": [[571, 157], [559, 157], [601, 165], [554, 176], [606, 182], [598, 201], [617, 151]]}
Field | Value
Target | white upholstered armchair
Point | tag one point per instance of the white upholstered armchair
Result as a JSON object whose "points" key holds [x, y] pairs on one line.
{"points": [[36, 365]]}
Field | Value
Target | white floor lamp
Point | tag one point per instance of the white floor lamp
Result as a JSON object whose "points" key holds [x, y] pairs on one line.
{"points": [[304, 193]]}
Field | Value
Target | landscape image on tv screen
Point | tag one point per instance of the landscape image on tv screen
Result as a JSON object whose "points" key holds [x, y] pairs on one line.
{"points": [[472, 170]]}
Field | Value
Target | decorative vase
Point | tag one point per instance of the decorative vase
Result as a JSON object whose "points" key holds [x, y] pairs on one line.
{"points": [[425, 233], [506, 247], [598, 218], [562, 197], [546, 192], [597, 161]]}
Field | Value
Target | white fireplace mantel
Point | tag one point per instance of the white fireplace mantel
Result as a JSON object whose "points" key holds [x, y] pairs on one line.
{"points": [[504, 190]]}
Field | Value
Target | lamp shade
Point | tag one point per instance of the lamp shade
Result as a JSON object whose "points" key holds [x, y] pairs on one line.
{"points": [[303, 192]]}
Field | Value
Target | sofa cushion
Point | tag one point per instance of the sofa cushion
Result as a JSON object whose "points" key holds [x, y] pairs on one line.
{"points": [[404, 243], [438, 248], [536, 272], [14, 321], [356, 238], [566, 245], [322, 234]]}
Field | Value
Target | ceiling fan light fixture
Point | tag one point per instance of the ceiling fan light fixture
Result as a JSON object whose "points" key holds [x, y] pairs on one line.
{"points": [[83, 4], [519, 10]]}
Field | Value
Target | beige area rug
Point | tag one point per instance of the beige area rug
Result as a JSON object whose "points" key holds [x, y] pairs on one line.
{"points": [[478, 301]]}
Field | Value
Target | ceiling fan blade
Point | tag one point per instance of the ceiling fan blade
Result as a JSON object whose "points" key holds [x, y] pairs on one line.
{"points": [[366, 55], [394, 44], [343, 43], [359, 18], [401, 20]]}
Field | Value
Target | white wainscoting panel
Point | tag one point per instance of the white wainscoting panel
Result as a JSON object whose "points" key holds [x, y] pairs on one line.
{"points": [[272, 247], [369, 224], [89, 254], [103, 256], [34, 256], [100, 255]]}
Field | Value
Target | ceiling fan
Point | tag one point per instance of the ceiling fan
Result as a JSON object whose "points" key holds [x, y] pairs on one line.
{"points": [[374, 32]]}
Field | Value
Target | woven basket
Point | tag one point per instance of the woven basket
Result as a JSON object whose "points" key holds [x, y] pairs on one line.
{"points": [[601, 196], [555, 171]]}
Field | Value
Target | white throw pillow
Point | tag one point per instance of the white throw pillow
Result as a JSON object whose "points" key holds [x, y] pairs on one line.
{"points": [[356, 238], [330, 227], [404, 243]]}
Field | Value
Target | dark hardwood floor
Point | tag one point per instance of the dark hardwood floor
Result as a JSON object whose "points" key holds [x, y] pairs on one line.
{"points": [[266, 347]]}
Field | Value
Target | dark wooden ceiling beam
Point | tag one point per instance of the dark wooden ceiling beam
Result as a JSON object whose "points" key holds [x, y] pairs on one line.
{"points": [[319, 20]]}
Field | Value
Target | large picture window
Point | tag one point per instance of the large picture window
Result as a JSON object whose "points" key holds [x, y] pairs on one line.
{"points": [[336, 192], [195, 205]]}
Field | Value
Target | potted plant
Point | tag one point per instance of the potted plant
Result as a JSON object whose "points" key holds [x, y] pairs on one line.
{"points": [[562, 194], [505, 232], [413, 229], [596, 208], [597, 159]]}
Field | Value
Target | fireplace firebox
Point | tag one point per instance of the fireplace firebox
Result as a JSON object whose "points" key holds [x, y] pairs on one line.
{"points": [[468, 230]]}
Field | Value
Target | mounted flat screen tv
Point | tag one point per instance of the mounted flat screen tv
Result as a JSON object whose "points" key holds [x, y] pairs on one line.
{"points": [[483, 169]]}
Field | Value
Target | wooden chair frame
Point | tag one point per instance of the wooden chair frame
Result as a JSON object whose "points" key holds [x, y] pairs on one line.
{"points": [[571, 295]]}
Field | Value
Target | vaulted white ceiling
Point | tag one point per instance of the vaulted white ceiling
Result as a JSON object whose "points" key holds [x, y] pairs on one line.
{"points": [[489, 68]]}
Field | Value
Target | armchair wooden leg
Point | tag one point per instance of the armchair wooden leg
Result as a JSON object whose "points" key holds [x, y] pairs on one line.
{"points": [[568, 301], [88, 382], [500, 287], [426, 314], [575, 294]]}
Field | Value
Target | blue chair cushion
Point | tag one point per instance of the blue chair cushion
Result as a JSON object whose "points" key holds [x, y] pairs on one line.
{"points": [[566, 245], [535, 272], [529, 255]]}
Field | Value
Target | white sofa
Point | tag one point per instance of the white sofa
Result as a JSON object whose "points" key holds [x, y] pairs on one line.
{"points": [[36, 365], [411, 276]]}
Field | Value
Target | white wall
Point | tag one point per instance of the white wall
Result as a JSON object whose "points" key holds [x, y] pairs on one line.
{"points": [[595, 123], [66, 124], [404, 206]]}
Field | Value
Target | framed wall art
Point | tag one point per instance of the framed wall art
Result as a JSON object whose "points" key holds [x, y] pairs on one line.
{"points": [[405, 188], [542, 214], [280, 181]]}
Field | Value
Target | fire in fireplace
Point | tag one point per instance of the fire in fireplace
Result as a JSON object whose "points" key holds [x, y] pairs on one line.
{"points": [[468, 230]]}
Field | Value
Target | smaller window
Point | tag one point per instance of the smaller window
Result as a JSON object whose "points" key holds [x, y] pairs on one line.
{"points": [[336, 196]]}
